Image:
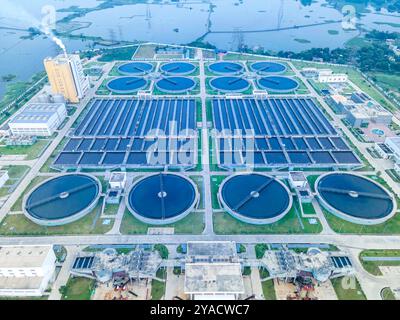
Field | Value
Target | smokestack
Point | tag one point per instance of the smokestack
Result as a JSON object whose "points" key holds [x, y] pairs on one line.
{"points": [[20, 14]]}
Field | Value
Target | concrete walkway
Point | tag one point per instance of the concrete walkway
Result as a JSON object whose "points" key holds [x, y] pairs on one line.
{"points": [[256, 283], [64, 273]]}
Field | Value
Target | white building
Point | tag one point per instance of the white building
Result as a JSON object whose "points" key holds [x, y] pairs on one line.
{"points": [[393, 143], [327, 76], [26, 270], [118, 180], [383, 150], [3, 177], [213, 281], [299, 182], [213, 271], [38, 119], [360, 110], [309, 72]]}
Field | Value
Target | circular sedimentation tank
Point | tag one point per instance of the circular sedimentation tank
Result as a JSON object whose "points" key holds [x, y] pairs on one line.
{"points": [[355, 198], [268, 67], [126, 84], [229, 84], [226, 68], [255, 198], [278, 83], [175, 84], [178, 68], [63, 199], [162, 198], [135, 68]]}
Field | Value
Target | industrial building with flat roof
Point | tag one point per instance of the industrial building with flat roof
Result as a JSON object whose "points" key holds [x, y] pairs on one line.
{"points": [[360, 110], [26, 270], [391, 149], [213, 271], [38, 119], [327, 76]]}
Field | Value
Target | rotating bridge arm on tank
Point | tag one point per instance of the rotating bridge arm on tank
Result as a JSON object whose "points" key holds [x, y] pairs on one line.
{"points": [[250, 196], [358, 193], [162, 192], [128, 82], [172, 69], [265, 68], [230, 68], [234, 81], [58, 196], [139, 69]]}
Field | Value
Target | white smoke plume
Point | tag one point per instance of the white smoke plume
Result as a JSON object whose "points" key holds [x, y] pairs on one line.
{"points": [[46, 25]]}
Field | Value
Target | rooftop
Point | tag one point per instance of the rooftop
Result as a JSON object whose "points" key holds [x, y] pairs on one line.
{"points": [[118, 177], [20, 283], [215, 248], [23, 256], [213, 278], [297, 176], [37, 112]]}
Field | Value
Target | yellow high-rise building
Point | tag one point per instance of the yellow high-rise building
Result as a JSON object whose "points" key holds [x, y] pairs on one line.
{"points": [[66, 77]]}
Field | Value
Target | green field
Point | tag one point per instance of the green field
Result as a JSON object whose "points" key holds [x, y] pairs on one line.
{"points": [[392, 226], [110, 55], [373, 266], [387, 294], [111, 209], [260, 249], [19, 225], [308, 208], [191, 224], [31, 152], [198, 180], [158, 287], [344, 293], [389, 82], [226, 224], [215, 183], [267, 286], [77, 289], [15, 173]]}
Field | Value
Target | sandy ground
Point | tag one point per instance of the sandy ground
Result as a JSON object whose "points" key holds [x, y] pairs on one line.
{"points": [[390, 270], [324, 291], [107, 292]]}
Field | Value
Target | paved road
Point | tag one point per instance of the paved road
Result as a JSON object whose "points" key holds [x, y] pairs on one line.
{"points": [[349, 241], [208, 230]]}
